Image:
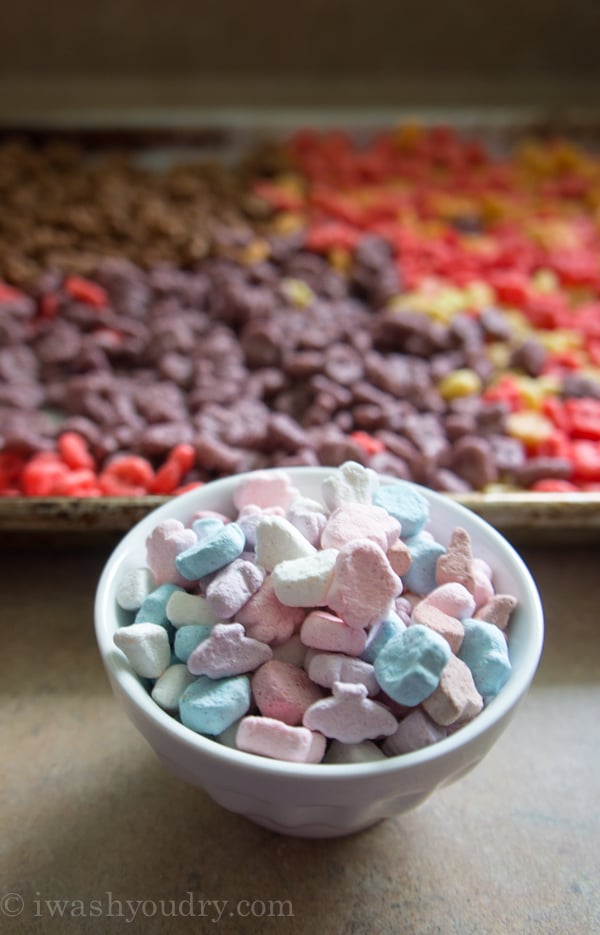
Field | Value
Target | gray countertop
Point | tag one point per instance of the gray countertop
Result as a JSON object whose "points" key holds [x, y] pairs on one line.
{"points": [[96, 833]]}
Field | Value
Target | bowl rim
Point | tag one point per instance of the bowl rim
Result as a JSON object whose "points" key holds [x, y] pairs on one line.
{"points": [[123, 678]]}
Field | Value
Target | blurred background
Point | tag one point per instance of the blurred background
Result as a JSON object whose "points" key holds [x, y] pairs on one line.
{"points": [[131, 54]]}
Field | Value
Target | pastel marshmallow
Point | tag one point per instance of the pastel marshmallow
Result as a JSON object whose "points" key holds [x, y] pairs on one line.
{"points": [[485, 651], [456, 698], [410, 666], [154, 606], [364, 585], [305, 582], [277, 540], [233, 586], [324, 631], [453, 599], [497, 610], [265, 489], [457, 562], [185, 609], [359, 521], [351, 483], [249, 517], [169, 687], [265, 617], [284, 691], [188, 637], [226, 652], [424, 554], [405, 504], [415, 731], [135, 585], [211, 553], [146, 646], [210, 706], [382, 633], [327, 668], [166, 541], [309, 518], [399, 557], [349, 716], [449, 627], [266, 736]]}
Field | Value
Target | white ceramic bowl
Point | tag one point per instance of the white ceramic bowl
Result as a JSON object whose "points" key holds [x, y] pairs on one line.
{"points": [[321, 800]]}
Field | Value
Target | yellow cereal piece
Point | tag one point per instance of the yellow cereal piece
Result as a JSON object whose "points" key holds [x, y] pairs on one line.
{"points": [[546, 280], [519, 326], [298, 292], [529, 427], [255, 252], [291, 183], [463, 382], [499, 353], [288, 222], [407, 135], [535, 389], [478, 294], [340, 259], [559, 340]]}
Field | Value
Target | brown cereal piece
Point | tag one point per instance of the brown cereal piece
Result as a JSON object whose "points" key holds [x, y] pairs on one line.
{"points": [[472, 459], [456, 697], [497, 610], [456, 564]]}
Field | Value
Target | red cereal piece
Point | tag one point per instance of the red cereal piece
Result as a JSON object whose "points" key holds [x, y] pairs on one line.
{"points": [[167, 478], [184, 455], [74, 451], [585, 458], [325, 236], [9, 293], [77, 483], [584, 418], [86, 291], [127, 475], [42, 474], [553, 485], [369, 444]]}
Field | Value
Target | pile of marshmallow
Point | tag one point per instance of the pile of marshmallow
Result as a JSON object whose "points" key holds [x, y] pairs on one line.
{"points": [[335, 630]]}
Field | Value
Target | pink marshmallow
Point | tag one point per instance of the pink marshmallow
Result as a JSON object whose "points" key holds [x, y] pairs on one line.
{"points": [[364, 584], [453, 599], [269, 737], [348, 715], [163, 545], [449, 627], [322, 630], [227, 651], [267, 619], [284, 691], [360, 521], [398, 555], [456, 564], [497, 610], [265, 489]]}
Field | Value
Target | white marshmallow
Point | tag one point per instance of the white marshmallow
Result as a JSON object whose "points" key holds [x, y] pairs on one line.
{"points": [[352, 482], [170, 686], [185, 609], [134, 588], [146, 646], [278, 541], [304, 582]]}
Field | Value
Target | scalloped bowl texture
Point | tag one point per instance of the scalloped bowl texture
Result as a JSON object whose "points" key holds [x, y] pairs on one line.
{"points": [[320, 800]]}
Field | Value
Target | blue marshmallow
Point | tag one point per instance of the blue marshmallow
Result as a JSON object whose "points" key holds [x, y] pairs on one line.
{"points": [[404, 503], [206, 526], [424, 553], [188, 637], [410, 665], [213, 552], [210, 706], [378, 637], [485, 651], [154, 606]]}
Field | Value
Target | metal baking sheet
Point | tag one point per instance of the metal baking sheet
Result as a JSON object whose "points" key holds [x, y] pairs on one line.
{"points": [[153, 138]]}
